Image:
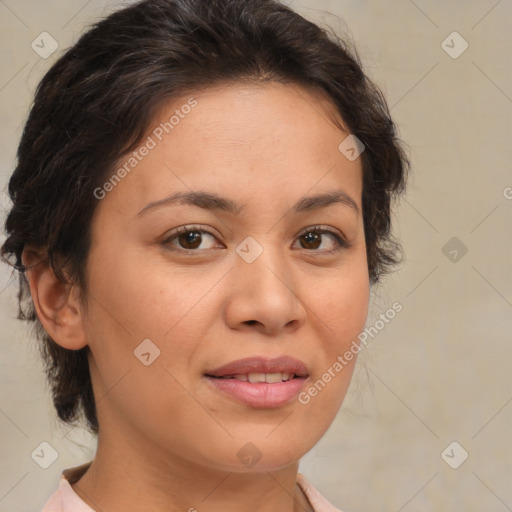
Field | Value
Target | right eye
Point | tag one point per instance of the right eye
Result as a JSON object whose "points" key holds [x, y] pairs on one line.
{"points": [[187, 238]]}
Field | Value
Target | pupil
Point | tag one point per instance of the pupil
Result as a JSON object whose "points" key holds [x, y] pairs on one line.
{"points": [[190, 238], [312, 237]]}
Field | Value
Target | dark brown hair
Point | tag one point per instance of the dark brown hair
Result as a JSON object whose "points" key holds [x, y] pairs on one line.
{"points": [[96, 102]]}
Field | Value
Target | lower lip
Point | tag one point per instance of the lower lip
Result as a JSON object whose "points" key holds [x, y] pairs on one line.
{"points": [[260, 394]]}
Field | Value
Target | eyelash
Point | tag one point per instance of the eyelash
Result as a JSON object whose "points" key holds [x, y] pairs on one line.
{"points": [[341, 242]]}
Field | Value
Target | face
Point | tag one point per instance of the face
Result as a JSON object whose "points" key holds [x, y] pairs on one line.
{"points": [[178, 290]]}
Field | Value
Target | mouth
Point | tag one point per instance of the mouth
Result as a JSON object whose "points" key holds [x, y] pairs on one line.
{"points": [[259, 382], [282, 368], [269, 378]]}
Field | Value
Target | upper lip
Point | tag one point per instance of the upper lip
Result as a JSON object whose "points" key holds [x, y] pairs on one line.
{"points": [[284, 364]]}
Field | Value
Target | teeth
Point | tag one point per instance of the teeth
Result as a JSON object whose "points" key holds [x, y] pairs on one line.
{"points": [[269, 378], [273, 377], [256, 377]]}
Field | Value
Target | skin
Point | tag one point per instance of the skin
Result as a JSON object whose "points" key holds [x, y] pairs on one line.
{"points": [[168, 440]]}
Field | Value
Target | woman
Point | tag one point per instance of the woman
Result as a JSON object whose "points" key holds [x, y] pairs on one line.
{"points": [[201, 203]]}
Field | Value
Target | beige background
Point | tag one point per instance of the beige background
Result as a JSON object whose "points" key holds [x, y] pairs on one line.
{"points": [[440, 371]]}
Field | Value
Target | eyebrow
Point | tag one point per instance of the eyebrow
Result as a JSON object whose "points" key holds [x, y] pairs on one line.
{"points": [[212, 201]]}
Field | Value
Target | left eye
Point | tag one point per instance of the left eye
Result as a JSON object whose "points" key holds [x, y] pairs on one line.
{"points": [[313, 236], [190, 238]]}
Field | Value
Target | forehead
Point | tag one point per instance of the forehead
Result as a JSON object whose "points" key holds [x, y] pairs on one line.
{"points": [[259, 142]]}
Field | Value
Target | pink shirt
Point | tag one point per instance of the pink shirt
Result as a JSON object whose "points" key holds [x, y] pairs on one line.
{"points": [[65, 498]]}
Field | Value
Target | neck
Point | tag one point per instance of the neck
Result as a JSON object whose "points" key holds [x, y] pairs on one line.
{"points": [[121, 478]]}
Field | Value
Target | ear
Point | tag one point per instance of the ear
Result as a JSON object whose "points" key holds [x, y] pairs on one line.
{"points": [[57, 303]]}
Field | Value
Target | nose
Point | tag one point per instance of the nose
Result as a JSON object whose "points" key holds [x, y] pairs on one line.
{"points": [[265, 296]]}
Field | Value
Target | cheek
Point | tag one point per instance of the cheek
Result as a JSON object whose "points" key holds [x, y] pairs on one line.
{"points": [[142, 313], [341, 304], [139, 298], [133, 301], [342, 308]]}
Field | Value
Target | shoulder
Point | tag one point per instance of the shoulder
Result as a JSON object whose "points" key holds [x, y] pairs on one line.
{"points": [[64, 499], [318, 502], [54, 504]]}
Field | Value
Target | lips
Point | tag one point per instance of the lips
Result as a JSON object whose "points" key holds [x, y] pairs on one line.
{"points": [[259, 382], [259, 369]]}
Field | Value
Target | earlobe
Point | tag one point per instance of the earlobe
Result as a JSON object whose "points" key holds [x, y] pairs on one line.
{"points": [[56, 302]]}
